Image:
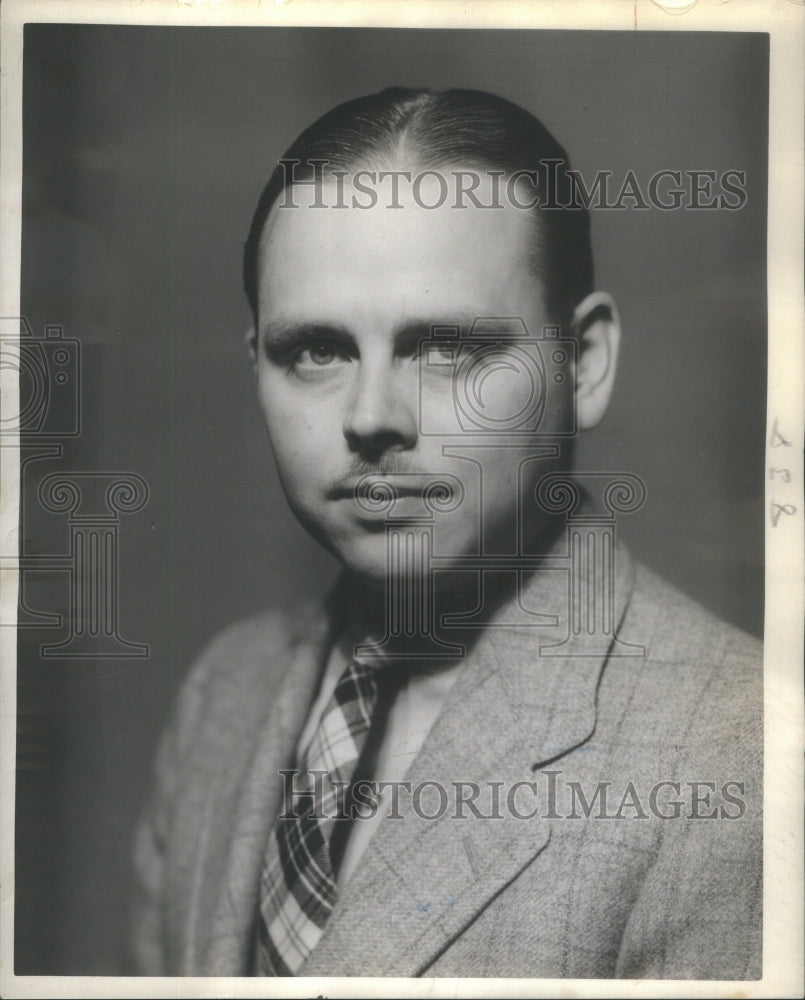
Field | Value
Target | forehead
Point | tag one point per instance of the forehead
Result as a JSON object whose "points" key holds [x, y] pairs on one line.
{"points": [[385, 261]]}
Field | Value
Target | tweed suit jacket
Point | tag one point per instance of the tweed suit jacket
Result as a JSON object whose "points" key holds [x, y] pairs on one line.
{"points": [[603, 881]]}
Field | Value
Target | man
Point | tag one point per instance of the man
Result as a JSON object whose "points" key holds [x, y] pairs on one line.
{"points": [[499, 748]]}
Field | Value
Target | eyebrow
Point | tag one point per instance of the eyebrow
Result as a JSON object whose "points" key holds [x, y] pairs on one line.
{"points": [[286, 332]]}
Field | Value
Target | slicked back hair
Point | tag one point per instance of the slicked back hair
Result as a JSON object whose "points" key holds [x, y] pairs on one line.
{"points": [[459, 129]]}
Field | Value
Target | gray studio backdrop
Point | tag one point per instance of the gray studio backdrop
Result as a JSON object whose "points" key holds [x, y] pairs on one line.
{"points": [[145, 150]]}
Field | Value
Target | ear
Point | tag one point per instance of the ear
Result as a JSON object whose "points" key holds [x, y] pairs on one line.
{"points": [[250, 340], [597, 329]]}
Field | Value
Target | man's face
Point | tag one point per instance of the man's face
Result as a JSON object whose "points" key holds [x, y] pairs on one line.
{"points": [[346, 297]]}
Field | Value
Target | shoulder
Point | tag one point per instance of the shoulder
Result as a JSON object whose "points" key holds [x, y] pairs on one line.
{"points": [[679, 624], [237, 674], [700, 678], [678, 631]]}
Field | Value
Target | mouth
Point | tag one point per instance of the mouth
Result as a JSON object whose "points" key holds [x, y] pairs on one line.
{"points": [[377, 495], [380, 489], [382, 484]]}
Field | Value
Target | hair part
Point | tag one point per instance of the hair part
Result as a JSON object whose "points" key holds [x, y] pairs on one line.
{"points": [[438, 129]]}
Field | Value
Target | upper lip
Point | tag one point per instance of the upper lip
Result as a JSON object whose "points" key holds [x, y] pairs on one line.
{"points": [[405, 484]]}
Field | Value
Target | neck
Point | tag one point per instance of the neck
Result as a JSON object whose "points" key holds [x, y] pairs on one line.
{"points": [[404, 619]]}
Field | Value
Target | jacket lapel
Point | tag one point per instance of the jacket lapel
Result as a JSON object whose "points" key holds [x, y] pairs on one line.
{"points": [[242, 811], [510, 712]]}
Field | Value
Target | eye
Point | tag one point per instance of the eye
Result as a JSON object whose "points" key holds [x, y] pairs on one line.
{"points": [[318, 354], [443, 353], [307, 351], [315, 356], [440, 357]]}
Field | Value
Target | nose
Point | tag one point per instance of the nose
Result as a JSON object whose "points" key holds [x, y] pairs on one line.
{"points": [[380, 415]]}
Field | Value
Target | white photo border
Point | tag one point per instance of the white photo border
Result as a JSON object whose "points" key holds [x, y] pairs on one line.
{"points": [[784, 21]]}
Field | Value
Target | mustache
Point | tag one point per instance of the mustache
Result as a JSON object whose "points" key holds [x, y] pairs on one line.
{"points": [[386, 465]]}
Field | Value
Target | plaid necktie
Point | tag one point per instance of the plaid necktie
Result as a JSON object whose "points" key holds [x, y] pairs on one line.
{"points": [[297, 886]]}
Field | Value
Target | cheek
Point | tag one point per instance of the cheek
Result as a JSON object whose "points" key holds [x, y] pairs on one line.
{"points": [[559, 414], [302, 430]]}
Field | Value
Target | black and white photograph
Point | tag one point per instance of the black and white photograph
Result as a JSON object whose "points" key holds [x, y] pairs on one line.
{"points": [[403, 490]]}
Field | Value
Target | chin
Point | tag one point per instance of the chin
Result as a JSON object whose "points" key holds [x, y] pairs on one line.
{"points": [[366, 558]]}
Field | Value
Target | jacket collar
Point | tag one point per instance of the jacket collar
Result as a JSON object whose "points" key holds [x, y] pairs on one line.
{"points": [[526, 696]]}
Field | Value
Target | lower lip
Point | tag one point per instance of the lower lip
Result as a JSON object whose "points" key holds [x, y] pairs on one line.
{"points": [[408, 505]]}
